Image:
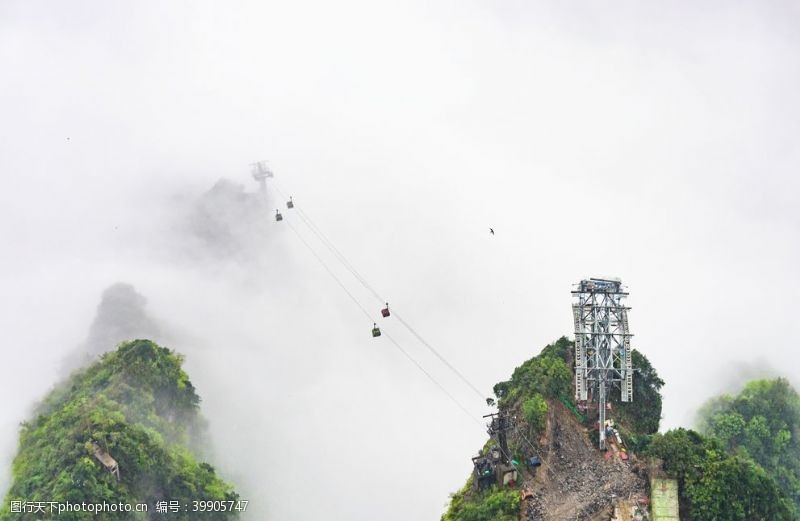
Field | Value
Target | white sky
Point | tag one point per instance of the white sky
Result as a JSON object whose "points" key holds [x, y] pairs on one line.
{"points": [[655, 142]]}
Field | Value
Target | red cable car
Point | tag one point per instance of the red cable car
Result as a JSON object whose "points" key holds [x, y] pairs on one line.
{"points": [[385, 311]]}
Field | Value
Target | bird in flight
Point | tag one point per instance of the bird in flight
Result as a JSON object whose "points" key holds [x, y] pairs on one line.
{"points": [[491, 230]]}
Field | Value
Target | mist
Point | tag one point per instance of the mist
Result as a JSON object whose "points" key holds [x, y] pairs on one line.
{"points": [[651, 142]]}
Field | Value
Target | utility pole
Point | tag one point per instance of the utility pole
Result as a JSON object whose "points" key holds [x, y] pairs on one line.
{"points": [[496, 466], [497, 428], [602, 345]]}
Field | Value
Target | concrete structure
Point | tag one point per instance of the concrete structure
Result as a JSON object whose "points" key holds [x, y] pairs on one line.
{"points": [[664, 499]]}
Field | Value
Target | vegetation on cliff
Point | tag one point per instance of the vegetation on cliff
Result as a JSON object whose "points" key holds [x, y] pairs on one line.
{"points": [[716, 485], [762, 422], [746, 462], [137, 406], [496, 504], [743, 465]]}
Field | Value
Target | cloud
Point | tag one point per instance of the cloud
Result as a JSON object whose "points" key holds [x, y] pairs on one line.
{"points": [[121, 315], [650, 142]]}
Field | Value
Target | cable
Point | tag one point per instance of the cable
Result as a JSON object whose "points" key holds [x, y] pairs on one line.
{"points": [[432, 379], [331, 273], [537, 453], [392, 340], [316, 230], [440, 357], [339, 255], [332, 248]]}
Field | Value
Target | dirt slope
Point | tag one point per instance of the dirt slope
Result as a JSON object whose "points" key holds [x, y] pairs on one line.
{"points": [[575, 480]]}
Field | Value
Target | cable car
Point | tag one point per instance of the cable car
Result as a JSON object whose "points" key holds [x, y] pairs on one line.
{"points": [[376, 331], [278, 216], [289, 203], [385, 311]]}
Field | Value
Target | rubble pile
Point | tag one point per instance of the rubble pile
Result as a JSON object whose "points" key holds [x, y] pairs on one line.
{"points": [[575, 480]]}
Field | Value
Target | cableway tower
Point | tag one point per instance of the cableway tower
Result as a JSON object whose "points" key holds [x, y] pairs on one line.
{"points": [[602, 345], [261, 172]]}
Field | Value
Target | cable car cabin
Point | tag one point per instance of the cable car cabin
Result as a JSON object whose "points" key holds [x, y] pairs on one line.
{"points": [[289, 203], [278, 216], [385, 311], [376, 331]]}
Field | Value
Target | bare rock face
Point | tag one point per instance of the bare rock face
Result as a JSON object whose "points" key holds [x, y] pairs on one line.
{"points": [[121, 315], [227, 221], [576, 481]]}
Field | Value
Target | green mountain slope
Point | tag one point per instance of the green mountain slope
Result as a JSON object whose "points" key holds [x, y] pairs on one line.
{"points": [[135, 407], [744, 466]]}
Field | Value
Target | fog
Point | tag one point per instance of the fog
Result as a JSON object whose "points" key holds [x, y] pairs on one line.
{"points": [[652, 142]]}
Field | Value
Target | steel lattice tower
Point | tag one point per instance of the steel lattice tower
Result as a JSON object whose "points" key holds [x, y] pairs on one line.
{"points": [[261, 172], [602, 345]]}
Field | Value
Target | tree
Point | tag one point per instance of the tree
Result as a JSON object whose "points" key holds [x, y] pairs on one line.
{"points": [[643, 414], [714, 485], [546, 374], [762, 422], [535, 411]]}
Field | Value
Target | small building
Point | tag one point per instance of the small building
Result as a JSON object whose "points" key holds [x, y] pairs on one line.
{"points": [[105, 458]]}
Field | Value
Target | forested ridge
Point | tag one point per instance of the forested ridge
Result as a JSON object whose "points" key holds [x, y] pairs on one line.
{"points": [[137, 408]]}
